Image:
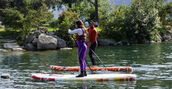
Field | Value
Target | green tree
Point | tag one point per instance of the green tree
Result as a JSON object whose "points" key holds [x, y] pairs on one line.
{"points": [[95, 3], [113, 21], [23, 15], [66, 21], [165, 12], [84, 5], [143, 22]]}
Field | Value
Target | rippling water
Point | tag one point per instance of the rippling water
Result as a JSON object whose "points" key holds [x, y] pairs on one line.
{"points": [[152, 63]]}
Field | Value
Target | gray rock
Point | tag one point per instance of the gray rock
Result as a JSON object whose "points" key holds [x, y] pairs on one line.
{"points": [[17, 49], [51, 33], [41, 39], [61, 43], [30, 47], [122, 43], [35, 41], [29, 39], [11, 45], [105, 42], [46, 42], [3, 50], [5, 76], [66, 48]]}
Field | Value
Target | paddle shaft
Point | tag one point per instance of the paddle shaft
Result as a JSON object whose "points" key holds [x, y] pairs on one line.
{"points": [[98, 58], [94, 54]]}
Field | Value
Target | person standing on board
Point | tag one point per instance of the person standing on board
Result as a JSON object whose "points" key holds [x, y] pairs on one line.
{"points": [[92, 42], [82, 47]]}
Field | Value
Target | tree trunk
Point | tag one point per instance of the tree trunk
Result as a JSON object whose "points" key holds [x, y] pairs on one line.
{"points": [[96, 11], [70, 5]]}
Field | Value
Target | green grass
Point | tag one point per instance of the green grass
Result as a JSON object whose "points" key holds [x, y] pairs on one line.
{"points": [[98, 29], [52, 29], [2, 29], [5, 34]]}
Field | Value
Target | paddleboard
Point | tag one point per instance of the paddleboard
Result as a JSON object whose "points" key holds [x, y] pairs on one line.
{"points": [[115, 69], [89, 77]]}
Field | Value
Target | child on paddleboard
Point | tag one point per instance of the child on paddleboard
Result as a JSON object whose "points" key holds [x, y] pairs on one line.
{"points": [[92, 42], [82, 47]]}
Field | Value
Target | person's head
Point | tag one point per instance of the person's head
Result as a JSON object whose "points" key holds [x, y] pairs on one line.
{"points": [[79, 24], [91, 24]]}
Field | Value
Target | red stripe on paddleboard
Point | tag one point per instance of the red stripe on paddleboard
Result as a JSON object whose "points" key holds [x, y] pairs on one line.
{"points": [[51, 79], [35, 77], [38, 78]]}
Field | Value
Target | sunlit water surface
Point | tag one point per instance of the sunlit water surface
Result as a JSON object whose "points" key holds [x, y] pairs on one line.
{"points": [[152, 63]]}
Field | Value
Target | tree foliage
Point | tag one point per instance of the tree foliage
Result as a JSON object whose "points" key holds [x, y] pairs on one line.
{"points": [[23, 15], [166, 12], [66, 21], [138, 23], [143, 22], [113, 22]]}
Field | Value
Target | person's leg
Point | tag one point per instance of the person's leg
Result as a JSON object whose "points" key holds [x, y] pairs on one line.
{"points": [[82, 57], [79, 55], [82, 54], [92, 48]]}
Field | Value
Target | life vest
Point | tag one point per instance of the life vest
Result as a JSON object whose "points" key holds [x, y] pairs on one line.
{"points": [[81, 37]]}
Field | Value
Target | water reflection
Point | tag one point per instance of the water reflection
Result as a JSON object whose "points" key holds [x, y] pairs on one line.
{"points": [[87, 85], [152, 63]]}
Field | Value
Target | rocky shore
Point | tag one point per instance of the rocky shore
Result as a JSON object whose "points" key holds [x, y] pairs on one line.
{"points": [[43, 40]]}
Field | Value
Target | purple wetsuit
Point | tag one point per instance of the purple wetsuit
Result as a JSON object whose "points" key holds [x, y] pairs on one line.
{"points": [[82, 49]]}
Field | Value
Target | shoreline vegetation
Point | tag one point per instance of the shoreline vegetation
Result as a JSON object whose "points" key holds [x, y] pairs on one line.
{"points": [[140, 23]]}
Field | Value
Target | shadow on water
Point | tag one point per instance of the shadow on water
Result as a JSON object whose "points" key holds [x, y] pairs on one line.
{"points": [[152, 63]]}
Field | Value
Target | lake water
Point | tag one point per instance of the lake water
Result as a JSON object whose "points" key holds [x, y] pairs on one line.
{"points": [[152, 63]]}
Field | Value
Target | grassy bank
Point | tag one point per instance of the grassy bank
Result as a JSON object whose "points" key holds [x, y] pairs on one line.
{"points": [[2, 29]]}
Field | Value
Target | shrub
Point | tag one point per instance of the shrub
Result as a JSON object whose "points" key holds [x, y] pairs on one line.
{"points": [[66, 21]]}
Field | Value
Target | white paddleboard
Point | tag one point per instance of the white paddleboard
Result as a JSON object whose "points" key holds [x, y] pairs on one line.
{"points": [[89, 77]]}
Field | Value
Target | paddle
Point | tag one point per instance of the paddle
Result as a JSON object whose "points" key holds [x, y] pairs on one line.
{"points": [[98, 58], [94, 54]]}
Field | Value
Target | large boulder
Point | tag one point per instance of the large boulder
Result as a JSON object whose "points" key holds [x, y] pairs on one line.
{"points": [[41, 39], [30, 47], [60, 42], [46, 42], [29, 39]]}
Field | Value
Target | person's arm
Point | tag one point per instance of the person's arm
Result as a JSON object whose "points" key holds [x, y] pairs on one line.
{"points": [[79, 31]]}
